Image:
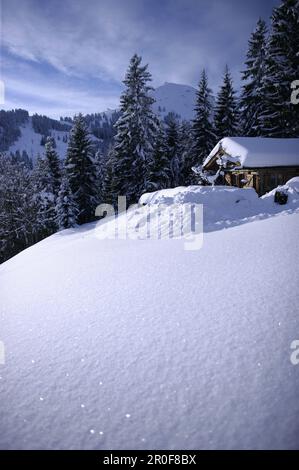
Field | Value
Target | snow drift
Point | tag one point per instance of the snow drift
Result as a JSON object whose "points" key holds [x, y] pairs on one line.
{"points": [[223, 206], [121, 344]]}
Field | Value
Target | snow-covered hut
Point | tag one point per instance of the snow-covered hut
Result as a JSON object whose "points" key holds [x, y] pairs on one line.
{"points": [[261, 163]]}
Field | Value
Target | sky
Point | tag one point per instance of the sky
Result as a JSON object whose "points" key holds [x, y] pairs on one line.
{"points": [[63, 57]]}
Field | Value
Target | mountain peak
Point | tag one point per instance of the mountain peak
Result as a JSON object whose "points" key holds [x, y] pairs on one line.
{"points": [[175, 97]]}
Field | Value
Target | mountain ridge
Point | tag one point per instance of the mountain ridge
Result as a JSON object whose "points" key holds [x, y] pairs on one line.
{"points": [[169, 98]]}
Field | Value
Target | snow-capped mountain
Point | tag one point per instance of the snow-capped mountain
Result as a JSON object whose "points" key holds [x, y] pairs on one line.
{"points": [[30, 141], [170, 97], [176, 98]]}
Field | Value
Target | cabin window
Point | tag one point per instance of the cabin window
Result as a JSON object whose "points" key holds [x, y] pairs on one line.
{"points": [[234, 179]]}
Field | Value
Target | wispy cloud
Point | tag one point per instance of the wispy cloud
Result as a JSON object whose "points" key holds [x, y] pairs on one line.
{"points": [[83, 41], [53, 97]]}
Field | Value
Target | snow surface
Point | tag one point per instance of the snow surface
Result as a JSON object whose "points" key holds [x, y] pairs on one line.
{"points": [[254, 152], [122, 344], [224, 206]]}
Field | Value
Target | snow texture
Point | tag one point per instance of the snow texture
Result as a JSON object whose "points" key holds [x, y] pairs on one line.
{"points": [[255, 152], [122, 344]]}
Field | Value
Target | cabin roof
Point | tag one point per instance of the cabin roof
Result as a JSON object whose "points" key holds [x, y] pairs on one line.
{"points": [[258, 152]]}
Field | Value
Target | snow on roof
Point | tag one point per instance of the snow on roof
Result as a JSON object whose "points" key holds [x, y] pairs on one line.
{"points": [[254, 152]]}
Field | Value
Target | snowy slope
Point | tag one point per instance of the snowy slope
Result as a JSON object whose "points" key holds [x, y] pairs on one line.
{"points": [[141, 344], [30, 141], [169, 97], [173, 97]]}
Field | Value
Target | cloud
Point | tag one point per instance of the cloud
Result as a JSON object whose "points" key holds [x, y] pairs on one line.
{"points": [[94, 40], [76, 39], [56, 100]]}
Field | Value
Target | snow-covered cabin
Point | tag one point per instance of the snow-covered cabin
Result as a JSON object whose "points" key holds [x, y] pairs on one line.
{"points": [[261, 163]]}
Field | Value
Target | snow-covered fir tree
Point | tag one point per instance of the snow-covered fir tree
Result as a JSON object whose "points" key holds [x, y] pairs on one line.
{"points": [[53, 165], [17, 208], [136, 129], [44, 198], [186, 176], [172, 130], [100, 163], [279, 117], [66, 208], [252, 95], [109, 186], [81, 170], [203, 133], [226, 117], [159, 173]]}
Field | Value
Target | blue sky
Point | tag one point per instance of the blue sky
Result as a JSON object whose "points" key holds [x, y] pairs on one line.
{"points": [[59, 58]]}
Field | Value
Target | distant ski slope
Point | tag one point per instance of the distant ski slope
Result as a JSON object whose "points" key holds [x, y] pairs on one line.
{"points": [[179, 99], [30, 141], [170, 97]]}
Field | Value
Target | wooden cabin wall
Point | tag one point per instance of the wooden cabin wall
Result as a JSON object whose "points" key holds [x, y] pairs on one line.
{"points": [[261, 179]]}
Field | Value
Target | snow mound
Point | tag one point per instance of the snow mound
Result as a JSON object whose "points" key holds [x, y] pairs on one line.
{"points": [[180, 212], [291, 188], [293, 183], [143, 345], [212, 196], [173, 212]]}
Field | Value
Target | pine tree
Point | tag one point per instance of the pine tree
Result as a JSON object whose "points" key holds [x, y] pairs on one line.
{"points": [[159, 172], [66, 208], [136, 129], [279, 117], [44, 198], [46, 179], [100, 163], [173, 148], [226, 117], [17, 208], [110, 183], [53, 166], [203, 133], [187, 176], [81, 170], [251, 96]]}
